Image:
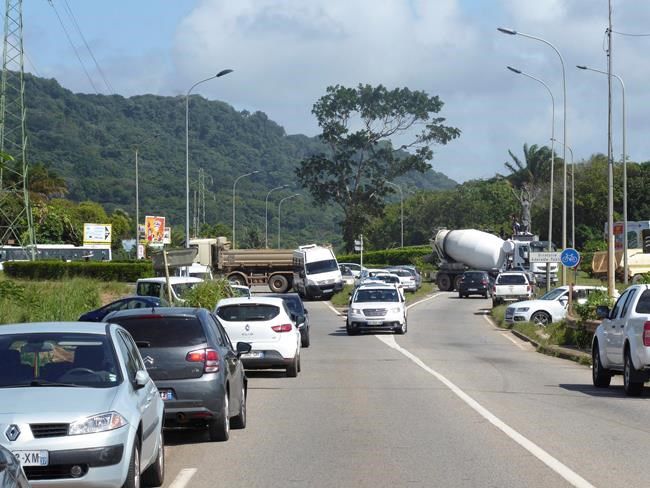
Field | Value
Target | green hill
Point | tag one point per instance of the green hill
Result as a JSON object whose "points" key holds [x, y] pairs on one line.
{"points": [[90, 141]]}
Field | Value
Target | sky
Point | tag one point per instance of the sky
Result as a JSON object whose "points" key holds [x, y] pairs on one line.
{"points": [[285, 53]]}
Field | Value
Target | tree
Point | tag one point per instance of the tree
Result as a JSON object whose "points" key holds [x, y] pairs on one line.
{"points": [[357, 125]]}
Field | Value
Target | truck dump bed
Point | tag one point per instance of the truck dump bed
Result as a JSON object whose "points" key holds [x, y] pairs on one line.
{"points": [[256, 258]]}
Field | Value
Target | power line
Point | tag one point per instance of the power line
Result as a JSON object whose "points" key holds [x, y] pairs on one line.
{"points": [[73, 47], [76, 24], [630, 35]]}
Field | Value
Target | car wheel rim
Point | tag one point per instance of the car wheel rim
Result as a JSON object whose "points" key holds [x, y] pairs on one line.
{"points": [[136, 462], [161, 455], [596, 363], [226, 411]]}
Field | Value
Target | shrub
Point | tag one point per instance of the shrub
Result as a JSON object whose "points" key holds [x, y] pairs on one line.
{"points": [[587, 311], [207, 294], [98, 270], [390, 257]]}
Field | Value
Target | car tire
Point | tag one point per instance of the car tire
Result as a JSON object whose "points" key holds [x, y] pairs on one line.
{"points": [[305, 340], [541, 318], [133, 475], [401, 330], [154, 475], [495, 302], [485, 295], [219, 428], [239, 421], [292, 369], [601, 376], [460, 295], [631, 387]]}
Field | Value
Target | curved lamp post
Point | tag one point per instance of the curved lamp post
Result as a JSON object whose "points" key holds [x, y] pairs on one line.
{"points": [[625, 244], [137, 191], [564, 178], [279, 215], [187, 151], [573, 203], [401, 202], [550, 206], [266, 227], [234, 246]]}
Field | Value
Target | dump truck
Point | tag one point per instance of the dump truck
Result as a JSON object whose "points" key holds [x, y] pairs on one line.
{"points": [[463, 249], [638, 264], [272, 267]]}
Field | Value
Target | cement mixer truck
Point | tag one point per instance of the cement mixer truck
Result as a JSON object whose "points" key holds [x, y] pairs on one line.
{"points": [[464, 249]]}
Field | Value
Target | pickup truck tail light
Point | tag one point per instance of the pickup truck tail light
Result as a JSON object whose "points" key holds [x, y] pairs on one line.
{"points": [[646, 334]]}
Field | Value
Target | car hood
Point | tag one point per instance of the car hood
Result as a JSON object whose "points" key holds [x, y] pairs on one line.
{"points": [[60, 404]]}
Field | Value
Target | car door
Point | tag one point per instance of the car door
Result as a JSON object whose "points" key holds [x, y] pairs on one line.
{"points": [[233, 363], [145, 397], [614, 328]]}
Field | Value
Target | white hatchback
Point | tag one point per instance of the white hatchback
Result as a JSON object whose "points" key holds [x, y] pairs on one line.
{"points": [[268, 326]]}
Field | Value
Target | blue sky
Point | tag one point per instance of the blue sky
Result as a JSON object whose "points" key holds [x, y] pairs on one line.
{"points": [[286, 52]]}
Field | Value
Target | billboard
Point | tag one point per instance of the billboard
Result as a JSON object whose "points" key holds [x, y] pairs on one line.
{"points": [[97, 234], [154, 230], [167, 237]]}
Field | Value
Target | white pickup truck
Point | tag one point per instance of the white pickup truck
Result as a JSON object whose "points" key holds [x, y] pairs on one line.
{"points": [[621, 344], [511, 286]]}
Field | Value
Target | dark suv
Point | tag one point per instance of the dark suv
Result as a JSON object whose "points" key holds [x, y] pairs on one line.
{"points": [[298, 310], [197, 371], [474, 283]]}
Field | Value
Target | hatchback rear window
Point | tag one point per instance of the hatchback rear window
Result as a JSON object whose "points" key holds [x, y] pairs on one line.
{"points": [[643, 306], [475, 276], [511, 280], [163, 331], [253, 312]]}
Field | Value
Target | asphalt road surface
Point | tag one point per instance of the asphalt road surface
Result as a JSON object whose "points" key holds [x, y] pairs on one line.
{"points": [[455, 402]]}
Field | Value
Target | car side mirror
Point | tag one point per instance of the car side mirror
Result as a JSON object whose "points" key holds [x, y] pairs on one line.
{"points": [[141, 378], [602, 311], [243, 348]]}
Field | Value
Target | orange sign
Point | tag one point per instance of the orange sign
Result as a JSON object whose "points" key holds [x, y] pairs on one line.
{"points": [[154, 230]]}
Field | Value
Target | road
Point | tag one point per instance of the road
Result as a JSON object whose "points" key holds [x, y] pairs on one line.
{"points": [[455, 402]]}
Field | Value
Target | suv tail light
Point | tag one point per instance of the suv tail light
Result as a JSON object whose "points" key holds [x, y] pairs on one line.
{"points": [[209, 358], [646, 334], [282, 328], [529, 288]]}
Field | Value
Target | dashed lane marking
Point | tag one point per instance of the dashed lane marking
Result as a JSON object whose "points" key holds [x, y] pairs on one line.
{"points": [[183, 478]]}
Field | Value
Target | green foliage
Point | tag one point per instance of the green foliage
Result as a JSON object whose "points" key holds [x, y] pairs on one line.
{"points": [[10, 290], [208, 293], [59, 270], [353, 174], [341, 298], [391, 257], [587, 311]]}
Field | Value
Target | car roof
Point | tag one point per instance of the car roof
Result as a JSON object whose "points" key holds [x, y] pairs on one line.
{"points": [[98, 328], [253, 299], [172, 279], [164, 311]]}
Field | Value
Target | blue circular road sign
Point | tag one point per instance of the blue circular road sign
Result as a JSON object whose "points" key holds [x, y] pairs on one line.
{"points": [[570, 258]]}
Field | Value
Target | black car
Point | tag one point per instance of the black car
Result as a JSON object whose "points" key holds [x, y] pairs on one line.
{"points": [[298, 310], [474, 283], [127, 303], [198, 373]]}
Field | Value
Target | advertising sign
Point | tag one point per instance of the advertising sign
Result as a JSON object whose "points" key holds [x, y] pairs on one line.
{"points": [[154, 230], [97, 234], [167, 236]]}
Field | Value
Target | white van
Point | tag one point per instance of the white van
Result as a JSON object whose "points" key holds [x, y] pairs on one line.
{"points": [[156, 287], [196, 270], [316, 272]]}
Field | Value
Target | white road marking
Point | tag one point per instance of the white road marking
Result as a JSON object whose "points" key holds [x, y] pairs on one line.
{"points": [[329, 304], [505, 334], [423, 300], [183, 478], [564, 471]]}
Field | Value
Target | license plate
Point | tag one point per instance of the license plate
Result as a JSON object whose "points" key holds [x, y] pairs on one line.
{"points": [[33, 458], [375, 322], [166, 394], [253, 355], [472, 289]]}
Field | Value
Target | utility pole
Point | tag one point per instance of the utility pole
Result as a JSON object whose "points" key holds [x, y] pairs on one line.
{"points": [[611, 266], [16, 224]]}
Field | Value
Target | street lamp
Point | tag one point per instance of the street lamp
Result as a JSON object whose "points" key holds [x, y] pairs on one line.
{"points": [[625, 243], [137, 191], [187, 151], [573, 195], [266, 227], [233, 204], [279, 208], [550, 205], [564, 178], [401, 201]]}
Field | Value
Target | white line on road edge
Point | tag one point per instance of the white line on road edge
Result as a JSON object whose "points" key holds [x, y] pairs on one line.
{"points": [[183, 478], [332, 308], [423, 300], [504, 334], [564, 471]]}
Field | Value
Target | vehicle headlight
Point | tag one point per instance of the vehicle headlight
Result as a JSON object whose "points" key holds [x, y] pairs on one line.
{"points": [[356, 311], [312, 283], [97, 423], [522, 309], [395, 310]]}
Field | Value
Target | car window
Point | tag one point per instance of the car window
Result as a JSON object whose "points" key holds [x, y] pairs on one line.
{"points": [[222, 332], [322, 266], [618, 305], [643, 305], [212, 323], [160, 331], [148, 289], [129, 361], [131, 304], [133, 350], [248, 312], [474, 276], [628, 302], [511, 280]]}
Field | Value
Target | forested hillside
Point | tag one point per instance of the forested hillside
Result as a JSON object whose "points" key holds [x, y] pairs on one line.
{"points": [[90, 141]]}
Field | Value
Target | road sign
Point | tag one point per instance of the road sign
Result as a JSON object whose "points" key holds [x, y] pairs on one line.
{"points": [[358, 245], [176, 258], [545, 257], [570, 258], [97, 234]]}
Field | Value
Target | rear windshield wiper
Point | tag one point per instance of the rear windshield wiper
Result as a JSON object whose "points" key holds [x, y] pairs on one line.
{"points": [[51, 383]]}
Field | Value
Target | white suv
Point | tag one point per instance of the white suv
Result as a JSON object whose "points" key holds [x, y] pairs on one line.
{"points": [[376, 307], [268, 326]]}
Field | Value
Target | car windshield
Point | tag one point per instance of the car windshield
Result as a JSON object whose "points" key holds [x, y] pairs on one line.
{"points": [[253, 312], [388, 295], [160, 331], [511, 280], [554, 294], [180, 289], [59, 359], [322, 266]]}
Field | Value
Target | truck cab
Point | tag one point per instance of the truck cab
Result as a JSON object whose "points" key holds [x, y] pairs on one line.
{"points": [[316, 272]]}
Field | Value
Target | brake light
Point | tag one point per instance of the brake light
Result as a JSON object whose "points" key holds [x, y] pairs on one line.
{"points": [[484, 282], [282, 328], [494, 290], [646, 334], [209, 358], [529, 288]]}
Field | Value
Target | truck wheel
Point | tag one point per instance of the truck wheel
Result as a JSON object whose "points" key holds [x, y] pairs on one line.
{"points": [[278, 283], [631, 385], [601, 377], [238, 279], [444, 282]]}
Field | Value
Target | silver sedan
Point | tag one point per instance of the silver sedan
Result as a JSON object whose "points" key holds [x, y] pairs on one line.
{"points": [[77, 407]]}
